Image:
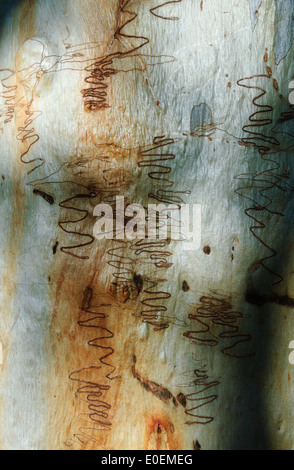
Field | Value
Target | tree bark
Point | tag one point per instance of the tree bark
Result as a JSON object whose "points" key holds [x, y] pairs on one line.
{"points": [[142, 344]]}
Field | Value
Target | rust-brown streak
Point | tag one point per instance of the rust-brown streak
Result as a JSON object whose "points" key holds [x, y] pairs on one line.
{"points": [[47, 197], [27, 20], [82, 341], [157, 390], [11, 253]]}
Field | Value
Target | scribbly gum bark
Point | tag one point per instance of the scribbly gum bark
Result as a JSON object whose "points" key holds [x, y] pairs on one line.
{"points": [[139, 344]]}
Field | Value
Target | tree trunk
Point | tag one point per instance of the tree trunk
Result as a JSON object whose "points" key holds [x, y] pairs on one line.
{"points": [[139, 343]]}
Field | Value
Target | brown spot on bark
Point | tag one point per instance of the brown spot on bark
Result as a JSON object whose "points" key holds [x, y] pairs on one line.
{"points": [[265, 57], [185, 287], [138, 280], [157, 390], [243, 144], [276, 86], [122, 294], [269, 71], [47, 197], [175, 402], [196, 445], [207, 250], [54, 249], [182, 399], [255, 266]]}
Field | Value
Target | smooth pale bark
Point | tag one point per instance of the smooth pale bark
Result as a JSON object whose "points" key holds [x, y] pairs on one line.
{"points": [[131, 344]]}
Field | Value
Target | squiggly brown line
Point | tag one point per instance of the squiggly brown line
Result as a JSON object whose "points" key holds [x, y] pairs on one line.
{"points": [[204, 384], [159, 170], [172, 18], [266, 180], [218, 312]]}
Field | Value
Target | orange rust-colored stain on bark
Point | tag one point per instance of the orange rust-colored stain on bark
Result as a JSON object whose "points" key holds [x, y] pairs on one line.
{"points": [[71, 353], [265, 58], [275, 83], [161, 435]]}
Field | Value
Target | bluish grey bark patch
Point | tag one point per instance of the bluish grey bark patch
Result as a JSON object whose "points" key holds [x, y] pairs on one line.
{"points": [[254, 6], [284, 28], [200, 114]]}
